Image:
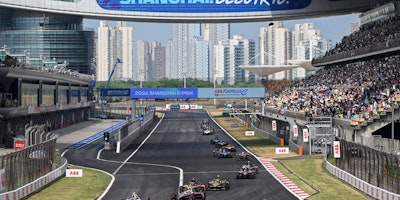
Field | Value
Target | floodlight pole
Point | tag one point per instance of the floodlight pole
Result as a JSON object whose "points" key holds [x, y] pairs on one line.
{"points": [[215, 101], [184, 80], [133, 110], [392, 108]]}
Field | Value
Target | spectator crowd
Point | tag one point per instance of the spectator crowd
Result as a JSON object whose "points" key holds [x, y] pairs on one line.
{"points": [[361, 89], [370, 34]]}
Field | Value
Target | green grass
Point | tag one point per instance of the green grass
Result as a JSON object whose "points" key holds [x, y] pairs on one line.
{"points": [[88, 187], [312, 177], [307, 173]]}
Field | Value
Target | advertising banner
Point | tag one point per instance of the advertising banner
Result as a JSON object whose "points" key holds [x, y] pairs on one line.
{"points": [[274, 125], [295, 131], [282, 150], [336, 149], [163, 93], [202, 6], [19, 144], [115, 92], [3, 179], [231, 92], [187, 93], [74, 173], [249, 133], [305, 135]]}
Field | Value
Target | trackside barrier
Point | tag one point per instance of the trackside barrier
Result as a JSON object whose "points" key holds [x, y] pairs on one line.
{"points": [[371, 190], [269, 136], [130, 132], [39, 183]]}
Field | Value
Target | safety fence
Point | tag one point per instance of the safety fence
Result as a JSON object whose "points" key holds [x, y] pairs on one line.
{"points": [[39, 183], [363, 186], [375, 167], [27, 165]]}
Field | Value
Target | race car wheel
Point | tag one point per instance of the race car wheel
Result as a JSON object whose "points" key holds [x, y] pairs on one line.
{"points": [[227, 187]]}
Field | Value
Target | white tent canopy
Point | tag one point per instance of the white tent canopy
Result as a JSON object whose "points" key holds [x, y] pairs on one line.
{"points": [[265, 70], [306, 64]]}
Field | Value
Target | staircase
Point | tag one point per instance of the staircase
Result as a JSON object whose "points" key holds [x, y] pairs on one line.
{"points": [[379, 121]]}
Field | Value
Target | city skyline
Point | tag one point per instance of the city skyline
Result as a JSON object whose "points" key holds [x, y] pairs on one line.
{"points": [[332, 28], [252, 33]]}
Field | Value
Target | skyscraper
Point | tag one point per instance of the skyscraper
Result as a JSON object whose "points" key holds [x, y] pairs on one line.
{"points": [[159, 63], [190, 52], [125, 51], [275, 48], [103, 58], [143, 59], [50, 36], [114, 43], [212, 33], [150, 61], [230, 55], [202, 60], [308, 43], [169, 65], [182, 60]]}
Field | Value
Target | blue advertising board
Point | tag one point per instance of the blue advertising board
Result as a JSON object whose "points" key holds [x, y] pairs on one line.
{"points": [[203, 6], [115, 92], [74, 93], [141, 118], [163, 93], [231, 92], [186, 93], [84, 93]]}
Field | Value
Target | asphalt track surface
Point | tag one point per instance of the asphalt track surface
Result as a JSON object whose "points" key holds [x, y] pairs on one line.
{"points": [[153, 163]]}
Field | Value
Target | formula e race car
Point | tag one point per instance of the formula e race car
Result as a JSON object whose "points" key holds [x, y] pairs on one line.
{"points": [[204, 124], [252, 167], [215, 140], [229, 147], [133, 196], [220, 144], [218, 184], [243, 156], [245, 172], [192, 192], [222, 153], [208, 131]]}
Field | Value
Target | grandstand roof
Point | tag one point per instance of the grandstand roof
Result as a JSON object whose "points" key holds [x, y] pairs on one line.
{"points": [[306, 64], [265, 70]]}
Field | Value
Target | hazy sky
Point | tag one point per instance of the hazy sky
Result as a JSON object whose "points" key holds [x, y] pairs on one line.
{"points": [[333, 28]]}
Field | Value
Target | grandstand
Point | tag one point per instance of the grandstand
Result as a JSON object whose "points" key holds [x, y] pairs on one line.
{"points": [[358, 81], [357, 87], [52, 96]]}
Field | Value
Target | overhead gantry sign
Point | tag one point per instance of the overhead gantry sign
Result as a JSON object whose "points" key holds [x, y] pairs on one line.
{"points": [[196, 93], [199, 11], [184, 93]]}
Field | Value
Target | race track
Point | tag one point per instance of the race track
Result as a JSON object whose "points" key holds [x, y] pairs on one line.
{"points": [[178, 145]]}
